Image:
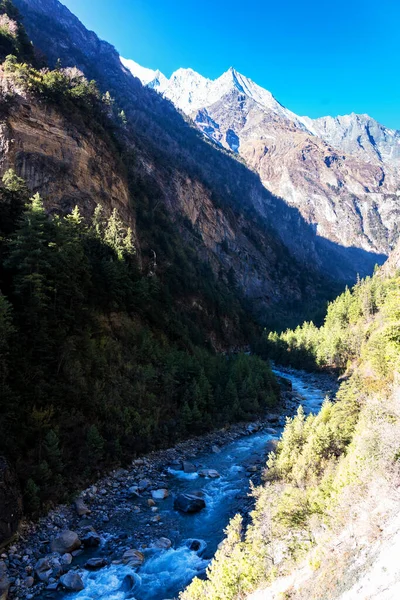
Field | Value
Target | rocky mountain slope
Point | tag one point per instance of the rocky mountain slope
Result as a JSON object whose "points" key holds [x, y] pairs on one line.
{"points": [[341, 173], [164, 143]]}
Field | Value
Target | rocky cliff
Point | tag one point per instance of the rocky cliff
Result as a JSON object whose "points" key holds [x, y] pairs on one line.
{"points": [[66, 162], [166, 144]]}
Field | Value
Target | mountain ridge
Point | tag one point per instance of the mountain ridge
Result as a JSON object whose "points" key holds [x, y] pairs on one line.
{"points": [[246, 85], [341, 173]]}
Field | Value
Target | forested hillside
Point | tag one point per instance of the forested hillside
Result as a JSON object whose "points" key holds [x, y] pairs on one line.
{"points": [[331, 483], [103, 353]]}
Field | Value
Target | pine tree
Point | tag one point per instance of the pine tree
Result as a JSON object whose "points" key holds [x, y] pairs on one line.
{"points": [[13, 196], [95, 444], [53, 451]]}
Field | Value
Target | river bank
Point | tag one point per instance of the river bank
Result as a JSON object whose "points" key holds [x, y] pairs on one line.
{"points": [[127, 510]]}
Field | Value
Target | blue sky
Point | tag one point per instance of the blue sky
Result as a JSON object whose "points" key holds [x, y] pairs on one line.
{"points": [[317, 57]]}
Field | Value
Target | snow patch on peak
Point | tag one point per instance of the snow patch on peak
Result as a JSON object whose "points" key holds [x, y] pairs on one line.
{"points": [[145, 75]]}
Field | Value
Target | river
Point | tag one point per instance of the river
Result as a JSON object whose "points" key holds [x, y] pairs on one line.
{"points": [[165, 573]]}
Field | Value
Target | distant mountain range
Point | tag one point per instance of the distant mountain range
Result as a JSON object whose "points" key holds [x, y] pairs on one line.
{"points": [[342, 173]]}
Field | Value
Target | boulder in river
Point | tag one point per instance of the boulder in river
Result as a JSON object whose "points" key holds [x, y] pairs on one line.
{"points": [[188, 467], [189, 503], [197, 546], [162, 543], [129, 583], [133, 558], [211, 473], [160, 494], [10, 502], [72, 582], [98, 562], [215, 449], [4, 581], [68, 541]]}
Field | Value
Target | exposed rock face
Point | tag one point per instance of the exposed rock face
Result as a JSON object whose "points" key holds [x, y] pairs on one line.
{"points": [[239, 221], [67, 164], [10, 502], [346, 193], [341, 173]]}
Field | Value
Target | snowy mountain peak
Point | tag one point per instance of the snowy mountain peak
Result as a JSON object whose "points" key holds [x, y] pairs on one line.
{"points": [[356, 134], [190, 91]]}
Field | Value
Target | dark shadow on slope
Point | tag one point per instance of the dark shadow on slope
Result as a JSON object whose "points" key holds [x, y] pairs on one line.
{"points": [[167, 137]]}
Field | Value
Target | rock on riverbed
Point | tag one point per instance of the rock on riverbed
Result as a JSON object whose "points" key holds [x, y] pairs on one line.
{"points": [[189, 503]]}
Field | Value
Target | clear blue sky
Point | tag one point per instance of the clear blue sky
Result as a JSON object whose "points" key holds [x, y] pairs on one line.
{"points": [[317, 57]]}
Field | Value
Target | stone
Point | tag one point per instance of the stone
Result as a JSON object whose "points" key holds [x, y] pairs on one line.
{"points": [[95, 563], [150, 502], [215, 449], [10, 502], [143, 485], [52, 587], [189, 503], [129, 583], [91, 539], [133, 558], [81, 508], [197, 546], [162, 543], [160, 494], [188, 467], [133, 491], [72, 582], [4, 581], [68, 541], [29, 582], [253, 428], [271, 431], [43, 569], [66, 559], [211, 473]]}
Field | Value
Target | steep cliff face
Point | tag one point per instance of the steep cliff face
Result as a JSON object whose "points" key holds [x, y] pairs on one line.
{"points": [[171, 145], [342, 185], [64, 163]]}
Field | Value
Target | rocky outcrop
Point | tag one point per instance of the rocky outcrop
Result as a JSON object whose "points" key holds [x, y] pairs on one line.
{"points": [[10, 502], [65, 162], [349, 197]]}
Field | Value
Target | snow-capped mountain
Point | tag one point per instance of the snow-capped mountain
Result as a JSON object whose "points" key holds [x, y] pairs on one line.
{"points": [[150, 78], [342, 173]]}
